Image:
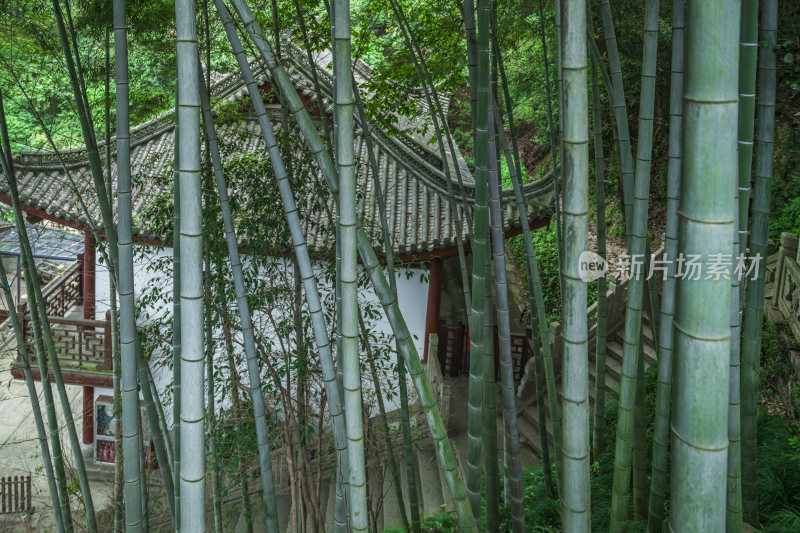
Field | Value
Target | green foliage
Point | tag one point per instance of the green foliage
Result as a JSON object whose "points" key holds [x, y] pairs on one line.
{"points": [[778, 462], [785, 202], [545, 244], [779, 474], [30, 44], [443, 522]]}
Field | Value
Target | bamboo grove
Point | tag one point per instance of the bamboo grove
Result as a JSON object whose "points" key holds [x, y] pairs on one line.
{"points": [[696, 471]]}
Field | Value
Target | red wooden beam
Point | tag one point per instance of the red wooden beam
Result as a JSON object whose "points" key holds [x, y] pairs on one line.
{"points": [[434, 302], [410, 258], [88, 415]]}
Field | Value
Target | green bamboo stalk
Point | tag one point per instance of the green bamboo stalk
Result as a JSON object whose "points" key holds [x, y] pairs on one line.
{"points": [[369, 259], [176, 321], [629, 378], [128, 385], [304, 263], [575, 490], [347, 222], [557, 157], [36, 303], [535, 299], [468, 15], [551, 133], [119, 478], [706, 225], [158, 435], [489, 412], [539, 380], [405, 423], [602, 284], [639, 464], [748, 57], [34, 397], [191, 285], [754, 299], [312, 68], [511, 432], [480, 275], [145, 478], [748, 60], [734, 491], [617, 97], [658, 481], [112, 292], [81, 82], [158, 415]]}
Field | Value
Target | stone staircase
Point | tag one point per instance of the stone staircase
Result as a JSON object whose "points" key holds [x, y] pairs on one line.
{"points": [[528, 413], [616, 297]]}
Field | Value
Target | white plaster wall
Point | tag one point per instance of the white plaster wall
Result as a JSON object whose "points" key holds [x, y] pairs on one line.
{"points": [[412, 296]]}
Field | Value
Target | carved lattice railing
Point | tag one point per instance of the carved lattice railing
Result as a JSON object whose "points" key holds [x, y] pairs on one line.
{"points": [[81, 345], [786, 278]]}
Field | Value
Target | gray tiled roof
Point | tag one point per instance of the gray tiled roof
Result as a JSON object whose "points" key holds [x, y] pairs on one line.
{"points": [[411, 171]]}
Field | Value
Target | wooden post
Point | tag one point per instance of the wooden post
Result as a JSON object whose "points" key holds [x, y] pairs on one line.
{"points": [[434, 301], [88, 415], [88, 276], [107, 355]]}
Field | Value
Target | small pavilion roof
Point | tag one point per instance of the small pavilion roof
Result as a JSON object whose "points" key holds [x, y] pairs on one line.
{"points": [[411, 171]]}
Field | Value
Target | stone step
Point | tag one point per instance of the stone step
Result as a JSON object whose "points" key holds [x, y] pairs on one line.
{"points": [[529, 434]]}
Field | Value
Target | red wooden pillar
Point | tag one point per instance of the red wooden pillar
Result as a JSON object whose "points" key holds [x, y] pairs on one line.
{"points": [[88, 276], [434, 302], [88, 415], [88, 314]]}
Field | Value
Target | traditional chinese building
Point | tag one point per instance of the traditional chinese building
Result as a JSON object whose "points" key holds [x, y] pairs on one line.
{"points": [[419, 184]]}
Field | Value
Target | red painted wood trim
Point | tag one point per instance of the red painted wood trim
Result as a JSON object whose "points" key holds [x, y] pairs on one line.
{"points": [[420, 257], [71, 377], [434, 302], [80, 226], [88, 415]]}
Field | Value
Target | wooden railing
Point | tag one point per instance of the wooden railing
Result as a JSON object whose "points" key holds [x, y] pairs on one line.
{"points": [[81, 345], [453, 350], [15, 494], [65, 291], [786, 282]]}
